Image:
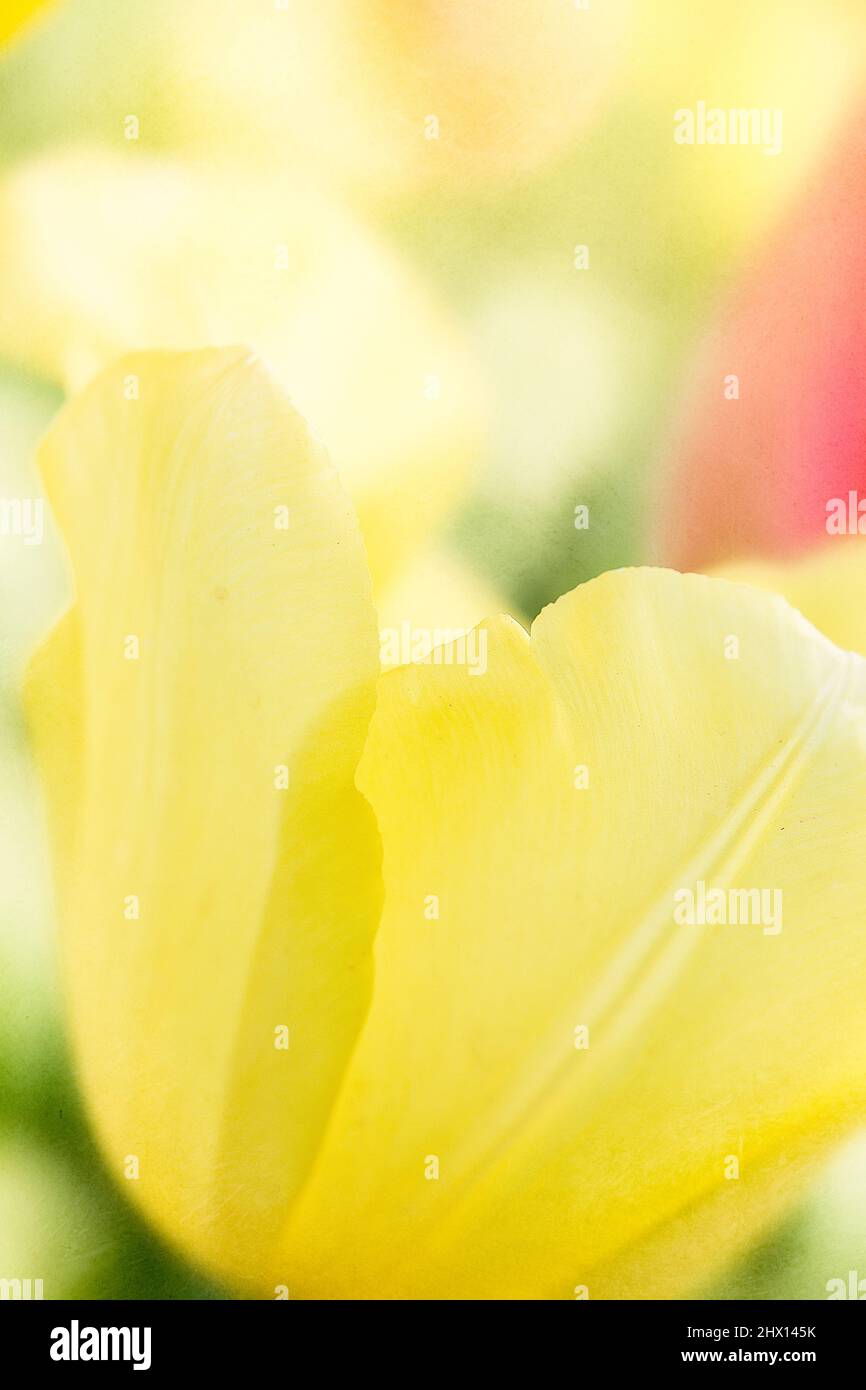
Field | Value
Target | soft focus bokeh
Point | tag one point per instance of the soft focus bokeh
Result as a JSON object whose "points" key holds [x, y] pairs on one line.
{"points": [[506, 280]]}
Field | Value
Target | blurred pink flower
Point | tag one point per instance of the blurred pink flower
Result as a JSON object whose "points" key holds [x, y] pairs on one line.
{"points": [[774, 421]]}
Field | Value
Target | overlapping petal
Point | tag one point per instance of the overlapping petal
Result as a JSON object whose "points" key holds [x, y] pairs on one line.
{"points": [[103, 254], [537, 823], [436, 599], [198, 717]]}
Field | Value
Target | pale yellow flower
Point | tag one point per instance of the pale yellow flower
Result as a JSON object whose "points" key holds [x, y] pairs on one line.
{"points": [[101, 254], [390, 95], [440, 1034]]}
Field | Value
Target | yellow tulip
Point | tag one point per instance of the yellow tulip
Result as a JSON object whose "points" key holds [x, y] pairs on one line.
{"points": [[102, 254], [524, 1075]]}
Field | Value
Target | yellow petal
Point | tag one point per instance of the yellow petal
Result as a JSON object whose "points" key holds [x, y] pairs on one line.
{"points": [[101, 254], [537, 823], [827, 585], [437, 599], [212, 655]]}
